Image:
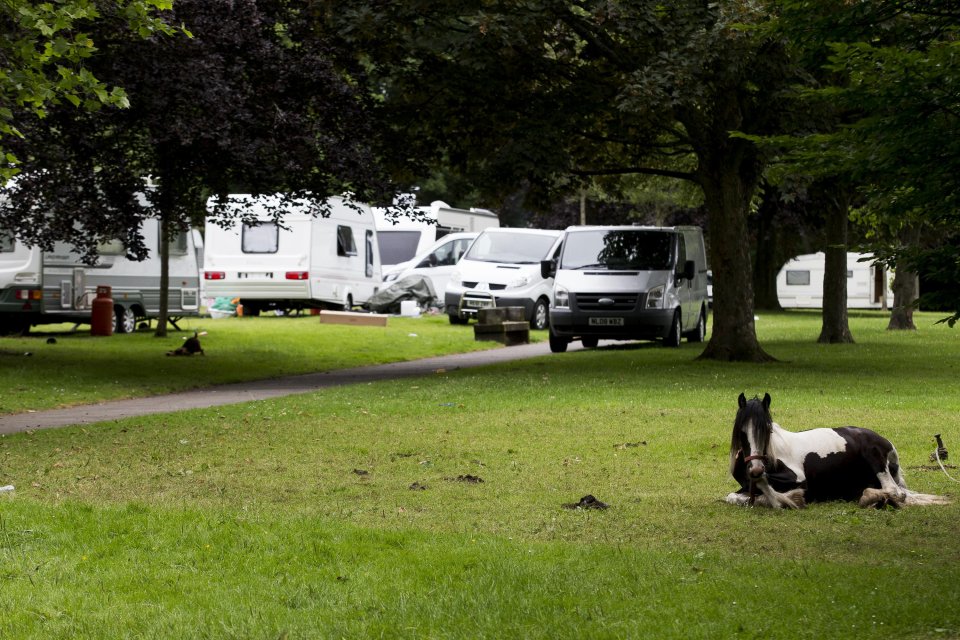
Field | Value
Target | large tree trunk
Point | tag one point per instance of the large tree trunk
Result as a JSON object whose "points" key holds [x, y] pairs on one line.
{"points": [[905, 293], [835, 328], [165, 207], [766, 265], [727, 196]]}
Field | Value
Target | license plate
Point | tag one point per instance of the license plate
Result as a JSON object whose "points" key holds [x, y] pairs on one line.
{"points": [[478, 304], [243, 275], [605, 322]]}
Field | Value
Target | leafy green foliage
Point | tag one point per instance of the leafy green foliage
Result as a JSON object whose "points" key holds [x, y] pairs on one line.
{"points": [[46, 49], [891, 69]]}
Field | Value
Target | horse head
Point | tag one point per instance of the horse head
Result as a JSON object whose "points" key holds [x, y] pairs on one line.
{"points": [[751, 435]]}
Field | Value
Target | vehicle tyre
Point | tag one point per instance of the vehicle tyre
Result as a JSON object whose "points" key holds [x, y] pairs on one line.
{"points": [[699, 332], [126, 320], [456, 319], [249, 309], [541, 315], [590, 343], [673, 338], [558, 344]]}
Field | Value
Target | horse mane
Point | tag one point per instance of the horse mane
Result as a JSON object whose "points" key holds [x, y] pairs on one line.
{"points": [[758, 411]]}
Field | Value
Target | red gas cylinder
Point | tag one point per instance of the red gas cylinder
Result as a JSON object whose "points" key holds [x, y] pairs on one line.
{"points": [[101, 313]]}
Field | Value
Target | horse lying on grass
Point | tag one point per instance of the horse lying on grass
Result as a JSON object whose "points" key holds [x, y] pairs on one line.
{"points": [[778, 468]]}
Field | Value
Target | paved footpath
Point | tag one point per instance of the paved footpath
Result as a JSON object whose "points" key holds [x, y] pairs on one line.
{"points": [[263, 389]]}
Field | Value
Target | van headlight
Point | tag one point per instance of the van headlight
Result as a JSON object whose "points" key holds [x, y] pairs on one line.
{"points": [[522, 281], [561, 298], [390, 277], [655, 298]]}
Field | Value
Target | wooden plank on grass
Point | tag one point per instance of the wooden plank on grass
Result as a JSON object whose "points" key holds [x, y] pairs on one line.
{"points": [[349, 317]]}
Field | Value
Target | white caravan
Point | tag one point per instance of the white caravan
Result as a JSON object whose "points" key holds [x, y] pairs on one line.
{"points": [[800, 283], [305, 261], [628, 283], [402, 239], [56, 286]]}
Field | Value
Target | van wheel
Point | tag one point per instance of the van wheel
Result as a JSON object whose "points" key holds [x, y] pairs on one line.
{"points": [[541, 315], [456, 319], [673, 338], [126, 320], [590, 343], [558, 344], [700, 331]]}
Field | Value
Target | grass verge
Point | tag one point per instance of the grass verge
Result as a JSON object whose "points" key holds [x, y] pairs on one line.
{"points": [[345, 513], [78, 368]]}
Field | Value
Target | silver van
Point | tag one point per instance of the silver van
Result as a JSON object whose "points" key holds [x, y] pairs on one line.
{"points": [[628, 283]]}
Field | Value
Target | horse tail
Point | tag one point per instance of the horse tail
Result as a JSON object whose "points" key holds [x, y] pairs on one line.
{"points": [[911, 497], [923, 499]]}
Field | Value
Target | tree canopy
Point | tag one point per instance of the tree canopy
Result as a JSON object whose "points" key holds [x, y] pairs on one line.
{"points": [[892, 69], [45, 51], [256, 100], [544, 96]]}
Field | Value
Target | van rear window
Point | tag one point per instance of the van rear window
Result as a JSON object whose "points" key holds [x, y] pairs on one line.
{"points": [[397, 246], [618, 249], [260, 237]]}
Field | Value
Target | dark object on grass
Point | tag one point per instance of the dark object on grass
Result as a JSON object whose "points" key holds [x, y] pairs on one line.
{"points": [[416, 486], [469, 478], [587, 502], [941, 452], [51, 341], [190, 346], [361, 472]]}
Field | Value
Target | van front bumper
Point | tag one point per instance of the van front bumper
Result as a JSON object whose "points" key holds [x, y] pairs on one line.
{"points": [[648, 324]]}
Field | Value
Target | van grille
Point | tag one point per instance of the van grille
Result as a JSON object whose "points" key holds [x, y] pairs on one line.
{"points": [[621, 301], [493, 287]]}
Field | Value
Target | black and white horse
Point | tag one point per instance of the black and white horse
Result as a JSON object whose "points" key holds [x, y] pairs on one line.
{"points": [[779, 468]]}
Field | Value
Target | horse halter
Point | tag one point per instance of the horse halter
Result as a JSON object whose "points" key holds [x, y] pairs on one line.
{"points": [[753, 482]]}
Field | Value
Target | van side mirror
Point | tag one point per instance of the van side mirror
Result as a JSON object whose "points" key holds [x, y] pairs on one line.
{"points": [[548, 268], [689, 270]]}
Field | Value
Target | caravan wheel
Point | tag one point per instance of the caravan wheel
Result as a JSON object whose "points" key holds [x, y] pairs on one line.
{"points": [[126, 320]]}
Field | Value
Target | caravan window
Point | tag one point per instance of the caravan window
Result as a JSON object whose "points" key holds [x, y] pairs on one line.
{"points": [[7, 243], [345, 244], [111, 248], [369, 250], [260, 237], [178, 245], [798, 278]]}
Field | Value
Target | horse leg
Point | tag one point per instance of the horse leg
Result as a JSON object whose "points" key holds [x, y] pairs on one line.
{"points": [[770, 497], [738, 499]]}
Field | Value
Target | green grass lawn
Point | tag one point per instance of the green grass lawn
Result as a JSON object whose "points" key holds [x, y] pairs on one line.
{"points": [[81, 369], [344, 513]]}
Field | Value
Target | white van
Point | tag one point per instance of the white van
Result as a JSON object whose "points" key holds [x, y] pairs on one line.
{"points": [[502, 269], [800, 283], [628, 283], [402, 239], [436, 264], [302, 262], [56, 286]]}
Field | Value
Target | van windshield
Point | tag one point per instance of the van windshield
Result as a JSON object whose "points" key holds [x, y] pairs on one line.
{"points": [[619, 249], [510, 248]]}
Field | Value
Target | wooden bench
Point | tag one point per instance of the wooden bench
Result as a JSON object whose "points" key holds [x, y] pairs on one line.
{"points": [[505, 325]]}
